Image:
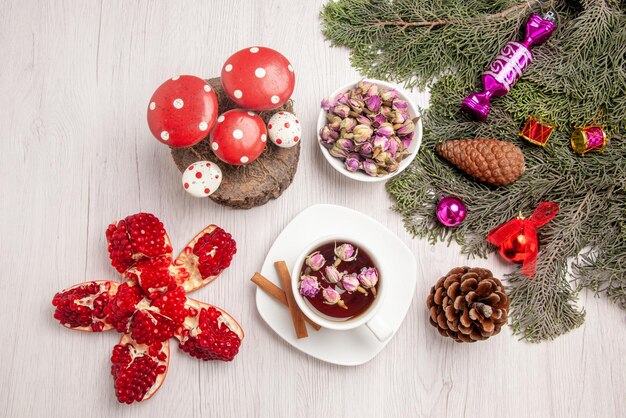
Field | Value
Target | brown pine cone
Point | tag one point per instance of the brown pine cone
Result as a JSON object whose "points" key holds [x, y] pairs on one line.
{"points": [[468, 304], [488, 160]]}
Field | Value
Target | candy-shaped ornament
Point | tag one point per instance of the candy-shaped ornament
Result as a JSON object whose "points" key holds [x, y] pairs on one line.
{"points": [[202, 178], [509, 65], [258, 78], [284, 129], [239, 137], [182, 111]]}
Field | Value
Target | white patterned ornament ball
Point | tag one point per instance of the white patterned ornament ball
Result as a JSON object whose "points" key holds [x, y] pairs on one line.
{"points": [[202, 178], [284, 129]]}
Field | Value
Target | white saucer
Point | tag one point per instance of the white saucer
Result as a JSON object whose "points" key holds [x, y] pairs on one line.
{"points": [[345, 348]]}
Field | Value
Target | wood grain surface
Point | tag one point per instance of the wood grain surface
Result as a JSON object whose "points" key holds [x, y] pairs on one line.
{"points": [[76, 77]]}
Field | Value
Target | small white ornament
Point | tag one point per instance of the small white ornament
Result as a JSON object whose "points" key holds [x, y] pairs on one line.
{"points": [[284, 129], [202, 178]]}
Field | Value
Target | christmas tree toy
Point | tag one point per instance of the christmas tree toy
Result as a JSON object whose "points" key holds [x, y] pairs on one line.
{"points": [[509, 65]]}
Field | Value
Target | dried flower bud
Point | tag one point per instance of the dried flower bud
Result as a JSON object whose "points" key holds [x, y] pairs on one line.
{"points": [[372, 90], [363, 120], [373, 103], [331, 296], [328, 136], [309, 286], [341, 110], [392, 166], [400, 105], [363, 86], [356, 105], [378, 120], [386, 111], [382, 158], [381, 142], [333, 121], [362, 133], [345, 252], [402, 155], [397, 117], [370, 167], [327, 103], [353, 162], [345, 144], [332, 274], [316, 261], [394, 144], [338, 152], [406, 128], [368, 277], [343, 98], [350, 282], [391, 94], [347, 124], [366, 149], [385, 129]]}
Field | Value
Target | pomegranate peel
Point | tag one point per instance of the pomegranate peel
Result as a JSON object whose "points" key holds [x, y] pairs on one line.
{"points": [[83, 306], [138, 369], [204, 258], [209, 333]]}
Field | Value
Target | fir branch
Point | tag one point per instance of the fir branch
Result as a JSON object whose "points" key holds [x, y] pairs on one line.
{"points": [[591, 192], [444, 22], [578, 72]]}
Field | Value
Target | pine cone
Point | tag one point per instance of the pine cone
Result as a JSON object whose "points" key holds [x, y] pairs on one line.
{"points": [[468, 304], [487, 160]]}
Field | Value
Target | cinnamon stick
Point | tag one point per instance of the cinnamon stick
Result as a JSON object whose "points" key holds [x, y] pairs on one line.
{"points": [[278, 294], [296, 315]]}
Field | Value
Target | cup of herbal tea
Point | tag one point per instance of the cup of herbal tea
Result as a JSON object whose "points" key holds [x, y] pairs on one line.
{"points": [[338, 283]]}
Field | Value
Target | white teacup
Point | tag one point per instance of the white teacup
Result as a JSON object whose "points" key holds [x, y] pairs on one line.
{"points": [[369, 318]]}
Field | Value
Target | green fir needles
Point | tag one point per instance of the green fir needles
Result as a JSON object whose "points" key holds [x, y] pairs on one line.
{"points": [[578, 74]]}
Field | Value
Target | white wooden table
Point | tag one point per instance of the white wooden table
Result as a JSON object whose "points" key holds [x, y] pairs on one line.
{"points": [[77, 154]]}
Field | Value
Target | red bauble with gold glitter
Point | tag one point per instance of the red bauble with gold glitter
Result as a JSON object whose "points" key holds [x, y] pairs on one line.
{"points": [[517, 239], [519, 247]]}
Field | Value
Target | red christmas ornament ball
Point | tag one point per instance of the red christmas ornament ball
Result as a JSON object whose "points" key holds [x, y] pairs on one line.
{"points": [[518, 247]]}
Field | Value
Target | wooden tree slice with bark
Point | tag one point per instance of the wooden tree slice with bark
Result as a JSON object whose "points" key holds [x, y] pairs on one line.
{"points": [[251, 185]]}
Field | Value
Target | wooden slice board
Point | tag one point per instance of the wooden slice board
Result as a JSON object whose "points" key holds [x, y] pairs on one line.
{"points": [[251, 185]]}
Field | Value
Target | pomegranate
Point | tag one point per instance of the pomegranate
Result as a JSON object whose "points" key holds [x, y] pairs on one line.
{"points": [[136, 237], [151, 306], [138, 369], [209, 333], [82, 307], [205, 257]]}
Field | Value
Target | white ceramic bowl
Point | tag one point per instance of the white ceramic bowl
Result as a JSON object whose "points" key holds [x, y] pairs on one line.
{"points": [[369, 318], [338, 164]]}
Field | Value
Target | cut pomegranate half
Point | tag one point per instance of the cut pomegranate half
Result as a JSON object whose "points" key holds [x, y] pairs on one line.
{"points": [[136, 237], [147, 320], [138, 369], [209, 333], [82, 307], [204, 258]]}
